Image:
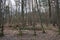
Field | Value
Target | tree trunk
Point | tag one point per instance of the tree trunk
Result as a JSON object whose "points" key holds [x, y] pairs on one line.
{"points": [[49, 8], [22, 10], [40, 16], [1, 20], [58, 15]]}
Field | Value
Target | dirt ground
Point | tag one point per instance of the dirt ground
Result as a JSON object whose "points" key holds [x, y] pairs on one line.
{"points": [[28, 35], [10, 34]]}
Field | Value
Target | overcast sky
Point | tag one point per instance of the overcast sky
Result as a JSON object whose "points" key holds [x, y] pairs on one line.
{"points": [[13, 3]]}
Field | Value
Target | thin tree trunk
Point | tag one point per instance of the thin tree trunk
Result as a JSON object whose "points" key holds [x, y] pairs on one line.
{"points": [[22, 10], [34, 22], [58, 15], [1, 20], [49, 4], [49, 8]]}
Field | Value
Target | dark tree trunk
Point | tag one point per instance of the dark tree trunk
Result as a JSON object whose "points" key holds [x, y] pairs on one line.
{"points": [[58, 15], [22, 10], [49, 8], [1, 20]]}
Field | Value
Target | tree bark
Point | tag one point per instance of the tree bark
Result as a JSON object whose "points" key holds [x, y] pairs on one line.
{"points": [[1, 20], [58, 15]]}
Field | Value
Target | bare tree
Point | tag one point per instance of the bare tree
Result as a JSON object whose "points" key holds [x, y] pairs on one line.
{"points": [[49, 3], [40, 16], [58, 14], [22, 11], [1, 19]]}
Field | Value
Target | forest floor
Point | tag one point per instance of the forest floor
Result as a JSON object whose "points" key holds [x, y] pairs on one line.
{"points": [[28, 35]]}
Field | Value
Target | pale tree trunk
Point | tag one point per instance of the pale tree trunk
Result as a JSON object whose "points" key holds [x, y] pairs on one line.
{"points": [[40, 16], [25, 7], [34, 22], [26, 19], [29, 18]]}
